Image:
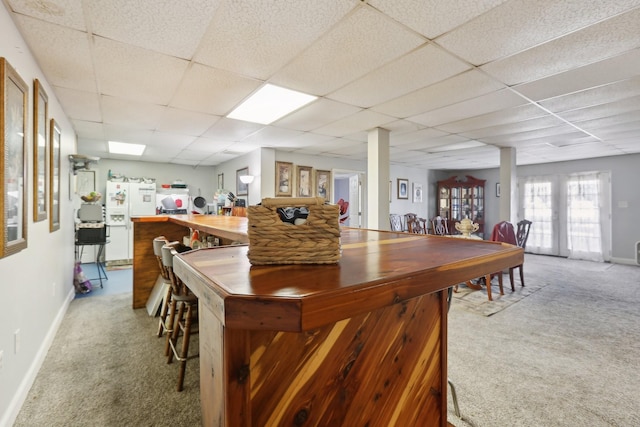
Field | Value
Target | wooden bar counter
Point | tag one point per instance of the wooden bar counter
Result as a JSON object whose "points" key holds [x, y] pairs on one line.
{"points": [[358, 343], [173, 227]]}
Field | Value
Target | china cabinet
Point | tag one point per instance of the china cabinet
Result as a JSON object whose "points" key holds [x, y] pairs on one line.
{"points": [[462, 197]]}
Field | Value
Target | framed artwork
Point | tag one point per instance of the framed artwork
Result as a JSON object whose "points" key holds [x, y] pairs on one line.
{"points": [[284, 175], [242, 189], [54, 176], [220, 180], [304, 182], [417, 193], [14, 93], [323, 184], [40, 149], [85, 182], [403, 188]]}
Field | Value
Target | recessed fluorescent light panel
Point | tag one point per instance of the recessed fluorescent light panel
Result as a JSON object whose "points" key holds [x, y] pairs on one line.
{"points": [[126, 148], [269, 104]]}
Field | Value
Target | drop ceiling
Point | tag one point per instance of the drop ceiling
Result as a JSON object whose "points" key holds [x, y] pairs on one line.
{"points": [[452, 80]]}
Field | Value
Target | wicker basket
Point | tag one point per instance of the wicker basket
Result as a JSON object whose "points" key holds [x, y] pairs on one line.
{"points": [[272, 241]]}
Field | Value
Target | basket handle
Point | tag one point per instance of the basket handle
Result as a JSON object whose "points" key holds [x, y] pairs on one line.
{"points": [[292, 201]]}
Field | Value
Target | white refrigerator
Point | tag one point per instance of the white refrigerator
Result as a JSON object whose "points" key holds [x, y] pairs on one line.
{"points": [[124, 200]]}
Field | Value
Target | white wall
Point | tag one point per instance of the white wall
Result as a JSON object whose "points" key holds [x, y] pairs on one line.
{"points": [[37, 283]]}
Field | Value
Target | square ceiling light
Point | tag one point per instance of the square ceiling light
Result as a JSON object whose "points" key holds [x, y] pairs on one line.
{"points": [[269, 104], [126, 148]]}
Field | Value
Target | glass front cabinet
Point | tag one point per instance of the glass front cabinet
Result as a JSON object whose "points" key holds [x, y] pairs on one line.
{"points": [[461, 197]]}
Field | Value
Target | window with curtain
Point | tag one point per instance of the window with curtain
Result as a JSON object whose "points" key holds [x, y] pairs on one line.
{"points": [[584, 225], [537, 204]]}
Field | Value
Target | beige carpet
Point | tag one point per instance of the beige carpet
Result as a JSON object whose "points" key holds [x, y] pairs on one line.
{"points": [[478, 303]]}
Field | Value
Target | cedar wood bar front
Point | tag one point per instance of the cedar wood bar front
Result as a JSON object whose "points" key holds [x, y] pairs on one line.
{"points": [[361, 342]]}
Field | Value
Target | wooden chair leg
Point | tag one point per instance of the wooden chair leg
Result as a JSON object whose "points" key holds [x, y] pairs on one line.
{"points": [[184, 350], [521, 275], [164, 311], [513, 289], [500, 283], [170, 326], [173, 337], [487, 281]]}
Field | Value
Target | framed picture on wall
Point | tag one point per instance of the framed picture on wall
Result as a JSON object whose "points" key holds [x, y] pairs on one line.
{"points": [[54, 176], [403, 188], [14, 96], [242, 189], [323, 185], [220, 181], [305, 185], [417, 193], [40, 149], [284, 175]]}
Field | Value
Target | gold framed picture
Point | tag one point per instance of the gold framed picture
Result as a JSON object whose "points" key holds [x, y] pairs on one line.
{"points": [[55, 137], [284, 178], [14, 93], [40, 149], [304, 181], [323, 185]]}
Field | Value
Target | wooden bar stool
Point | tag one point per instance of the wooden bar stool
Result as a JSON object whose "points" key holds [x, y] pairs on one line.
{"points": [[183, 315], [163, 326]]}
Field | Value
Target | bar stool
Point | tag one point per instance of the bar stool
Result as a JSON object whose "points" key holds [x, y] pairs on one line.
{"points": [[183, 315], [163, 326]]}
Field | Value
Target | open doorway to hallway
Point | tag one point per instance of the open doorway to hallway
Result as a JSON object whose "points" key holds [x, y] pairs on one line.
{"points": [[350, 187]]}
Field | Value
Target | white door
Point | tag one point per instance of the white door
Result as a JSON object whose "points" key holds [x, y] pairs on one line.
{"points": [[571, 214]]}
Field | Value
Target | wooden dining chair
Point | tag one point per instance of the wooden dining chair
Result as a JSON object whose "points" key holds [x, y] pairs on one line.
{"points": [[395, 221], [439, 226], [504, 232], [522, 234]]}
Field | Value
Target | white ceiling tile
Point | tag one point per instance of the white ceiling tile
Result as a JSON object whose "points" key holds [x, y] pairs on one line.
{"points": [[363, 41], [432, 17], [135, 73], [600, 41], [231, 130], [487, 103], [128, 113], [272, 137], [524, 24], [257, 38], [397, 139], [80, 105], [185, 122], [65, 13], [210, 145], [92, 147], [562, 129], [212, 91], [422, 67], [63, 54], [510, 116], [594, 96], [610, 70], [513, 124], [603, 110], [124, 134], [89, 130], [610, 121], [464, 86], [366, 119], [318, 113], [168, 27], [166, 140]]}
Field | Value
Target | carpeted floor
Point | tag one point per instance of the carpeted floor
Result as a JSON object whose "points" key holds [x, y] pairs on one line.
{"points": [[564, 355]]}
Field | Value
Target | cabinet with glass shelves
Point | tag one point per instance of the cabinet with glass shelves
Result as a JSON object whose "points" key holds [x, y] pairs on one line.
{"points": [[459, 198]]}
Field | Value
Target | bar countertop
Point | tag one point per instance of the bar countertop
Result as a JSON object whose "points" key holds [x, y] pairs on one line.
{"points": [[376, 269]]}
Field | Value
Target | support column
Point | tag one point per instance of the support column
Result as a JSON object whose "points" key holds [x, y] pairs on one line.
{"points": [[378, 179], [508, 185]]}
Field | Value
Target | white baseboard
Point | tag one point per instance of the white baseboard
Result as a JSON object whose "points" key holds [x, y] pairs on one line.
{"points": [[19, 398], [626, 261]]}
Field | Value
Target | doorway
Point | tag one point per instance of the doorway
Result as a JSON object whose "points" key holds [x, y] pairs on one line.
{"points": [[571, 214], [349, 186]]}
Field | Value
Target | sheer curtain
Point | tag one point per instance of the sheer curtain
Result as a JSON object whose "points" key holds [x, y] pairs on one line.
{"points": [[584, 228], [537, 204]]}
